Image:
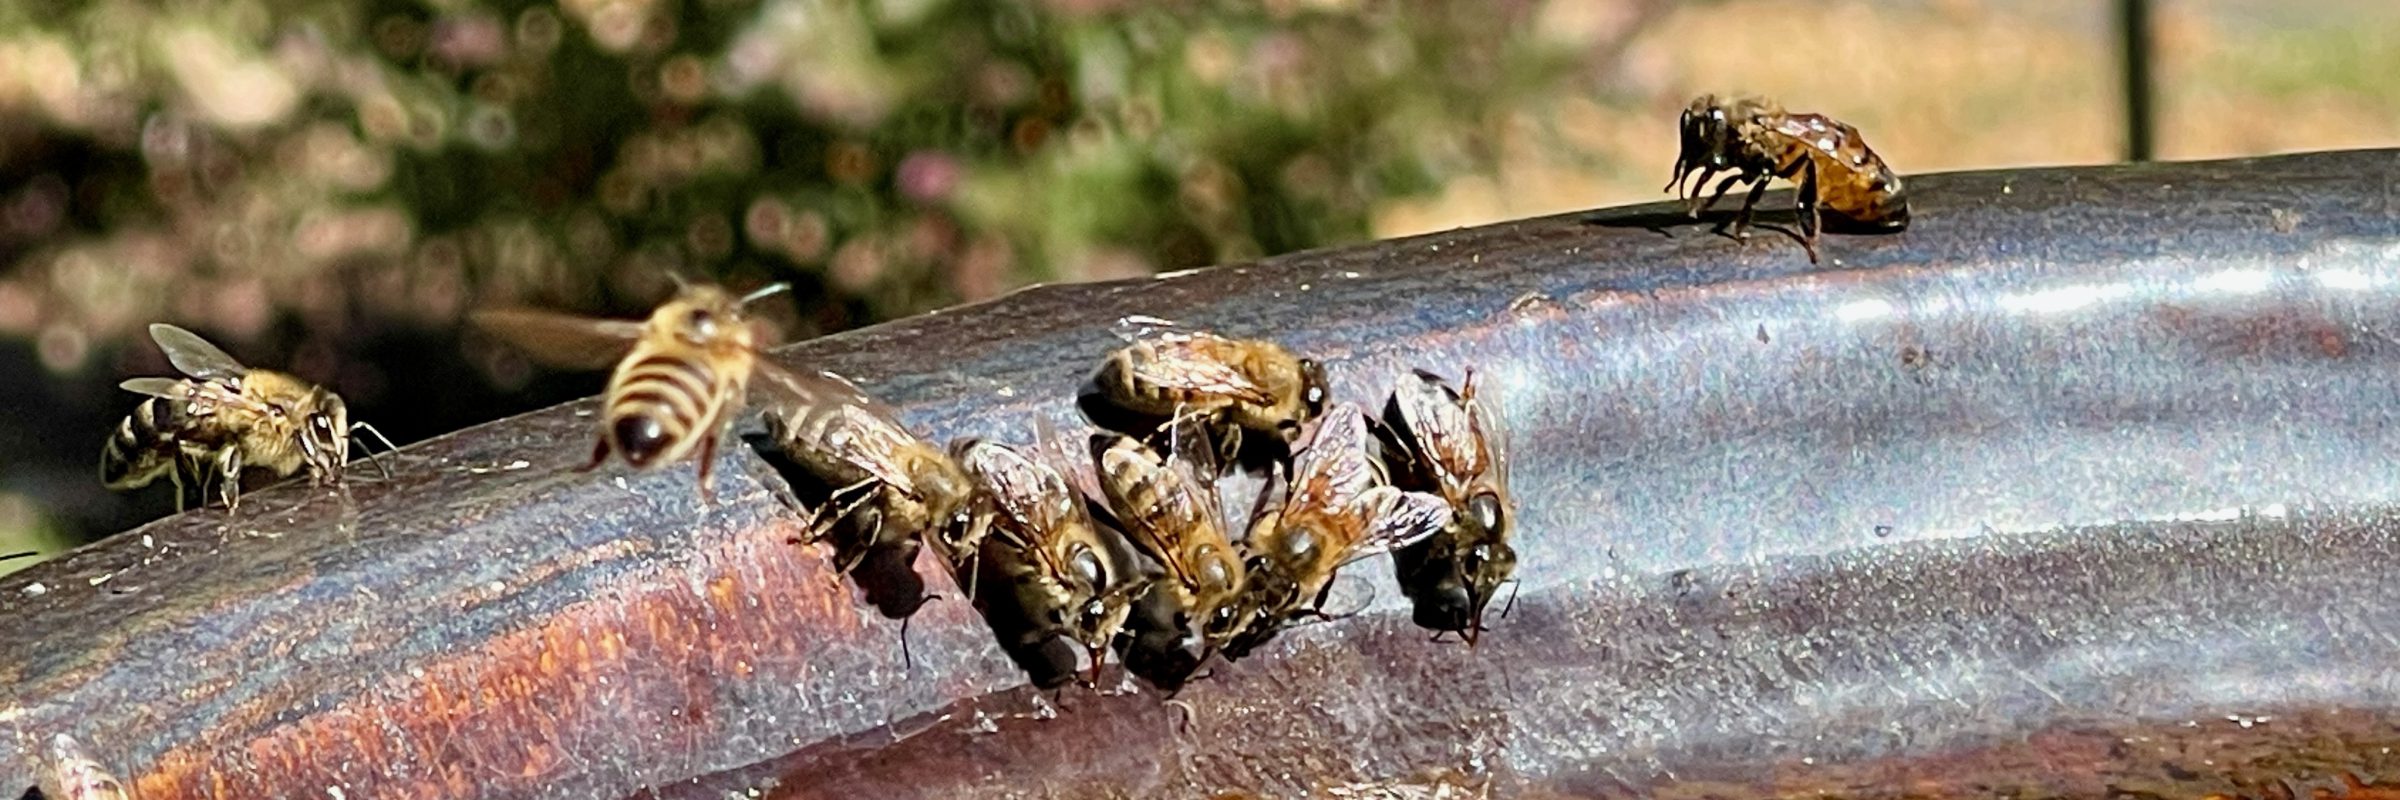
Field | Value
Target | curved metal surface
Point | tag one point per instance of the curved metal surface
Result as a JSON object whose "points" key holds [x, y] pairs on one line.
{"points": [[2082, 484]]}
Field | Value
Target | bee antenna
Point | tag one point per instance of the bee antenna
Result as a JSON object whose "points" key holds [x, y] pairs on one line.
{"points": [[355, 427], [681, 282], [763, 292]]}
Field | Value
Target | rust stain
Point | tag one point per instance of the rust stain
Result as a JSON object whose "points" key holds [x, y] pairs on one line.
{"points": [[648, 653]]}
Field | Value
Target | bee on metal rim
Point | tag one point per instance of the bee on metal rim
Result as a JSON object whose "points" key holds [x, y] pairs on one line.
{"points": [[1837, 173], [891, 490], [681, 375], [1337, 507], [70, 774], [1226, 384], [225, 417], [1451, 442], [1050, 568], [1168, 508]]}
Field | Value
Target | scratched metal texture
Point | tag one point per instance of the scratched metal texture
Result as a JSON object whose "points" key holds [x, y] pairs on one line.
{"points": [[2082, 484]]}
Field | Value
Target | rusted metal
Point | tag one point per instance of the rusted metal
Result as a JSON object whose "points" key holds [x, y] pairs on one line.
{"points": [[2081, 485]]}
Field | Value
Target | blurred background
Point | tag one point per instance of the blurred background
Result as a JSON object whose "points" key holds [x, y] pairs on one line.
{"points": [[325, 186]]}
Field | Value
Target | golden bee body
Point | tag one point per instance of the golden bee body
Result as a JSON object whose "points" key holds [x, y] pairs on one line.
{"points": [[222, 419], [1228, 384], [891, 487], [1756, 139], [1337, 507], [680, 376], [1046, 568], [1167, 507]]}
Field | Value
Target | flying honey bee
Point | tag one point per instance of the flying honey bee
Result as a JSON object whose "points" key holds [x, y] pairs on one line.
{"points": [[1838, 174], [891, 489], [1451, 443], [1168, 508], [1338, 507], [681, 376], [1226, 384], [70, 774], [1048, 569], [223, 418]]}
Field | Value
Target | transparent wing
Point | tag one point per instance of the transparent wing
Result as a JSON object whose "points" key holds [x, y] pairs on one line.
{"points": [[169, 388], [1397, 519], [1333, 469], [790, 391], [1446, 429], [559, 340], [870, 430], [1198, 365], [1138, 327], [193, 355], [1491, 427]]}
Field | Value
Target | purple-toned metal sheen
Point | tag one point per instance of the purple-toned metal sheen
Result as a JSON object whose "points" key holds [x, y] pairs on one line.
{"points": [[2081, 483]]}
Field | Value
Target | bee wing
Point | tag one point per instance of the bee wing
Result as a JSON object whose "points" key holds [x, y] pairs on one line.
{"points": [[561, 340], [193, 355], [1136, 327], [169, 388], [1198, 372], [1443, 427], [1397, 519], [776, 386], [1491, 427], [1333, 469], [1829, 136]]}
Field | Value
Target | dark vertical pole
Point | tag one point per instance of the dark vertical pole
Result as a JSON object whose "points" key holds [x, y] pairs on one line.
{"points": [[2133, 22]]}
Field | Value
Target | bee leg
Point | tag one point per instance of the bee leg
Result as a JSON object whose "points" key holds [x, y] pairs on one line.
{"points": [[708, 465], [820, 524], [1723, 186], [229, 469], [599, 456], [1809, 208], [1741, 221], [1694, 206], [175, 476]]}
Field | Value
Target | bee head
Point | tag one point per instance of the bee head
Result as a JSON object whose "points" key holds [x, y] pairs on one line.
{"points": [[1486, 567], [1315, 392], [325, 435], [1709, 140]]}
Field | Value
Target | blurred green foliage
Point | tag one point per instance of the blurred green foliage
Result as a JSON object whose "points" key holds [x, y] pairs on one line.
{"points": [[231, 160]]}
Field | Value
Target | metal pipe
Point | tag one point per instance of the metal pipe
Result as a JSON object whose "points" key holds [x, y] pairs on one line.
{"points": [[2080, 483]]}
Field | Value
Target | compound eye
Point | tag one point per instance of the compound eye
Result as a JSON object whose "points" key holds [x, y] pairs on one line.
{"points": [[1485, 512], [1086, 566], [704, 322]]}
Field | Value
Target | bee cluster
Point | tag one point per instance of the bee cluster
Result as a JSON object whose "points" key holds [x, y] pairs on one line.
{"points": [[1119, 545]]}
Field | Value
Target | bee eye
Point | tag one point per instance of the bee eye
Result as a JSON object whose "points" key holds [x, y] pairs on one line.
{"points": [[1299, 545], [1087, 568], [1483, 510]]}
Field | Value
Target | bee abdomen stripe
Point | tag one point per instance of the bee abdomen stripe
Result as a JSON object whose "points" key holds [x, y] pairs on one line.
{"points": [[690, 374]]}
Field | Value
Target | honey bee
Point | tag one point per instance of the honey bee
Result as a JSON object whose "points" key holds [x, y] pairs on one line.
{"points": [[1168, 509], [1047, 570], [1227, 384], [1451, 443], [1338, 507], [891, 489], [681, 376], [1757, 140], [69, 774], [223, 418]]}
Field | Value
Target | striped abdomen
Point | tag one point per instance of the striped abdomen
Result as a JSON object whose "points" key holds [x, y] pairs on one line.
{"points": [[144, 445], [663, 401]]}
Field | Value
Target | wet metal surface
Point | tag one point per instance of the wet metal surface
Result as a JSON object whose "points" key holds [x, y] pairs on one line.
{"points": [[2084, 483]]}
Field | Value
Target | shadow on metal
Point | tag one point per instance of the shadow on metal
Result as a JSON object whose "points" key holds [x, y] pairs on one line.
{"points": [[2082, 485]]}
